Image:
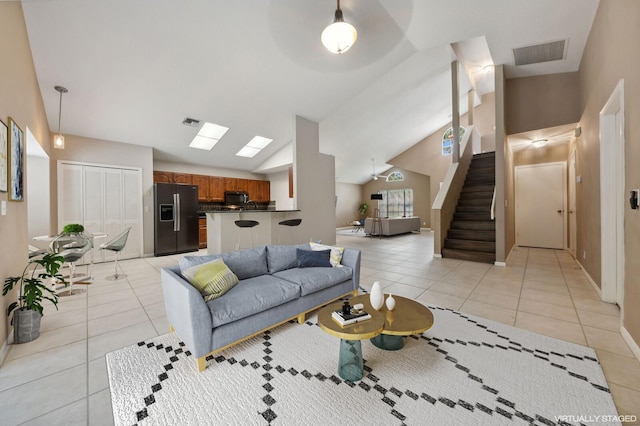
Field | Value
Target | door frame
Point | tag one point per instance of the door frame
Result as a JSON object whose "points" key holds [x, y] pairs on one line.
{"points": [[572, 205], [564, 196], [612, 197]]}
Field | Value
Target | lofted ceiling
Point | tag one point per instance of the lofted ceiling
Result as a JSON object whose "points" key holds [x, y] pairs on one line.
{"points": [[136, 69]]}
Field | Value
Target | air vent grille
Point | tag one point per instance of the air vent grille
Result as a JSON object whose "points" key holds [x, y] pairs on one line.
{"points": [[191, 122], [553, 51]]}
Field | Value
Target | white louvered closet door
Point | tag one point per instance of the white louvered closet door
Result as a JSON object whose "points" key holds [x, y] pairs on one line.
{"points": [[93, 206], [103, 199]]}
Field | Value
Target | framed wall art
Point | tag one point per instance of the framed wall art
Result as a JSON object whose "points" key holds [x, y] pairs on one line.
{"points": [[4, 172], [16, 162]]}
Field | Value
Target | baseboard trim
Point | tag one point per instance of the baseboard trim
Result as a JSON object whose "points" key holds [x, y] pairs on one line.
{"points": [[500, 263], [632, 343], [589, 279], [437, 256], [4, 349]]}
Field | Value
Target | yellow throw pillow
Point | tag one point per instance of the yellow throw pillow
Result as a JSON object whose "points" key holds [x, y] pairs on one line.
{"points": [[212, 279], [336, 253]]}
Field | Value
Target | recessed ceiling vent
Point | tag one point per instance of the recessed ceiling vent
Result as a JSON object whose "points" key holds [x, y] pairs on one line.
{"points": [[191, 122], [553, 51]]}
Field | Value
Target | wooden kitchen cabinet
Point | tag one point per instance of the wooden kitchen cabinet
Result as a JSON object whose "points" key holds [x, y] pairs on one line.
{"points": [[242, 185], [216, 188], [162, 177], [203, 186], [202, 232], [259, 190], [184, 178]]}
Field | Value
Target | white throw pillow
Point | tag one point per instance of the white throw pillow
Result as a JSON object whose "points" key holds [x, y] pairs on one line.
{"points": [[336, 253]]}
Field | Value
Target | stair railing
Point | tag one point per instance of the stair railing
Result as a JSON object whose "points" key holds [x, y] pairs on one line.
{"points": [[446, 200], [493, 205]]}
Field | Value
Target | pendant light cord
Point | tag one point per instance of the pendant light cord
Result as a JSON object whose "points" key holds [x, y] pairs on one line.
{"points": [[60, 114]]}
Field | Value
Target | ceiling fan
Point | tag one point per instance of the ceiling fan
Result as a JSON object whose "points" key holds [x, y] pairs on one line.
{"points": [[373, 171]]}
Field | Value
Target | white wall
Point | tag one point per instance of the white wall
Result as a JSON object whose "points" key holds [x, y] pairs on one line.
{"points": [[280, 190], [195, 169], [349, 199], [314, 184], [38, 203]]}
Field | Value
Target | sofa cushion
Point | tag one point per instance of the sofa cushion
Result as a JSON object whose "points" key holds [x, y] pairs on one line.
{"points": [[212, 279], [313, 259], [280, 258], [244, 263], [252, 296], [336, 252], [247, 263], [311, 280]]}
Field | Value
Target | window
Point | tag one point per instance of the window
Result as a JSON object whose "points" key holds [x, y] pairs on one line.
{"points": [[395, 177], [396, 203], [447, 140]]}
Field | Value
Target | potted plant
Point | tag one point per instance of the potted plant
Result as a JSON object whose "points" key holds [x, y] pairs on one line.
{"points": [[73, 228], [363, 209], [27, 311]]}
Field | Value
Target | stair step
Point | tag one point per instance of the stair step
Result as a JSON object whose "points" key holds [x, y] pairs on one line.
{"points": [[475, 201], [478, 188], [474, 225], [473, 209], [483, 217], [469, 255], [483, 246], [480, 182], [466, 234], [480, 176], [480, 173], [476, 195], [482, 167], [490, 154]]}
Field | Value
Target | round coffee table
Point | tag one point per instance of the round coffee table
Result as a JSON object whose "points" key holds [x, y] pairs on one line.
{"points": [[385, 329]]}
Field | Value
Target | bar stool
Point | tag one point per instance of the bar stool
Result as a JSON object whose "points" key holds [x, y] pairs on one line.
{"points": [[246, 224], [292, 225]]}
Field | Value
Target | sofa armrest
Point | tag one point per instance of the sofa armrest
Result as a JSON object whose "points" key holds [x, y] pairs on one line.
{"points": [[351, 258], [187, 312]]}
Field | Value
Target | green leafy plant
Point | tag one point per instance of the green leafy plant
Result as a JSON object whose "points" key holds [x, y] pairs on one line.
{"points": [[363, 209], [32, 288], [73, 228]]}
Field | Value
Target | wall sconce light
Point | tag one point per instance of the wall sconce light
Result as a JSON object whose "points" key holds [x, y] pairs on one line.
{"points": [[58, 140]]}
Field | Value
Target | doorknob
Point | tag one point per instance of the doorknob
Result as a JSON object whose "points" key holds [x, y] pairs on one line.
{"points": [[570, 211], [559, 211]]}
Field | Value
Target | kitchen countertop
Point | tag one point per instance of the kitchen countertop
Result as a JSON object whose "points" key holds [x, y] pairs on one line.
{"points": [[248, 211]]}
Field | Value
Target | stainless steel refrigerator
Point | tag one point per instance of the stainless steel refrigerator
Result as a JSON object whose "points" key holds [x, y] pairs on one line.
{"points": [[176, 218]]}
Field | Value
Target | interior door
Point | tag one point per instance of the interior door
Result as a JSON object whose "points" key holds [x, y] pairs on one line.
{"points": [[573, 227], [540, 195]]}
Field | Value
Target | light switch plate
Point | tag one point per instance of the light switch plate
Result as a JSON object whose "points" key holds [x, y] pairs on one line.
{"points": [[3, 208]]}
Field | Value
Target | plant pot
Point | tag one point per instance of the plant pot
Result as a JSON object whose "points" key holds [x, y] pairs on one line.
{"points": [[26, 325]]}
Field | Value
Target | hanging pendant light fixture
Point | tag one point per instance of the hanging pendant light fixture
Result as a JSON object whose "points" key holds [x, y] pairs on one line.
{"points": [[339, 36], [58, 140]]}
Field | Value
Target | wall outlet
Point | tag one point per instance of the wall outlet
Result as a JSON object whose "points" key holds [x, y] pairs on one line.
{"points": [[424, 223], [584, 254]]}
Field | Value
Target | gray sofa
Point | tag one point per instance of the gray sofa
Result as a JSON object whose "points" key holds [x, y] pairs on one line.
{"points": [[272, 290]]}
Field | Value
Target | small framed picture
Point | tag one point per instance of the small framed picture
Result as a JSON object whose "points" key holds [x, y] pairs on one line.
{"points": [[4, 171], [16, 162]]}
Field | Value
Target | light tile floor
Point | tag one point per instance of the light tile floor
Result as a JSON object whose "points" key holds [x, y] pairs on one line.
{"points": [[61, 377]]}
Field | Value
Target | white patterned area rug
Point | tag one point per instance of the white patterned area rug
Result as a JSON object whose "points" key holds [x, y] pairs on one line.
{"points": [[463, 371]]}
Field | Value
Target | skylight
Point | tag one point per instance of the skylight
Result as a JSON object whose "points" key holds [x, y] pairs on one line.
{"points": [[208, 136], [254, 146]]}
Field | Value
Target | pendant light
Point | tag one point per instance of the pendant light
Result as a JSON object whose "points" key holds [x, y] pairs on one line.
{"points": [[339, 36], [58, 140]]}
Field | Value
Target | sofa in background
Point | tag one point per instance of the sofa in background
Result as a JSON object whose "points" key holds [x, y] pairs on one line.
{"points": [[271, 291], [394, 225]]}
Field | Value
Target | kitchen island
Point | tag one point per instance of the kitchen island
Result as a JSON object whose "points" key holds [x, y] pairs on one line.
{"points": [[224, 236]]}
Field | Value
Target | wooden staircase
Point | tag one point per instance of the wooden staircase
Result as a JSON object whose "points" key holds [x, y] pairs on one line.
{"points": [[472, 235]]}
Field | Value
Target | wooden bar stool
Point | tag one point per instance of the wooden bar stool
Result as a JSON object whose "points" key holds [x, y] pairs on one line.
{"points": [[246, 224], [292, 225]]}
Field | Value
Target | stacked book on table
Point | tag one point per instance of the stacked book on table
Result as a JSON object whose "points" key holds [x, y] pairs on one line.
{"points": [[350, 318]]}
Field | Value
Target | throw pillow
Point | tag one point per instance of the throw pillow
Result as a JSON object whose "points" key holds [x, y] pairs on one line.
{"points": [[313, 259], [212, 279], [336, 252]]}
